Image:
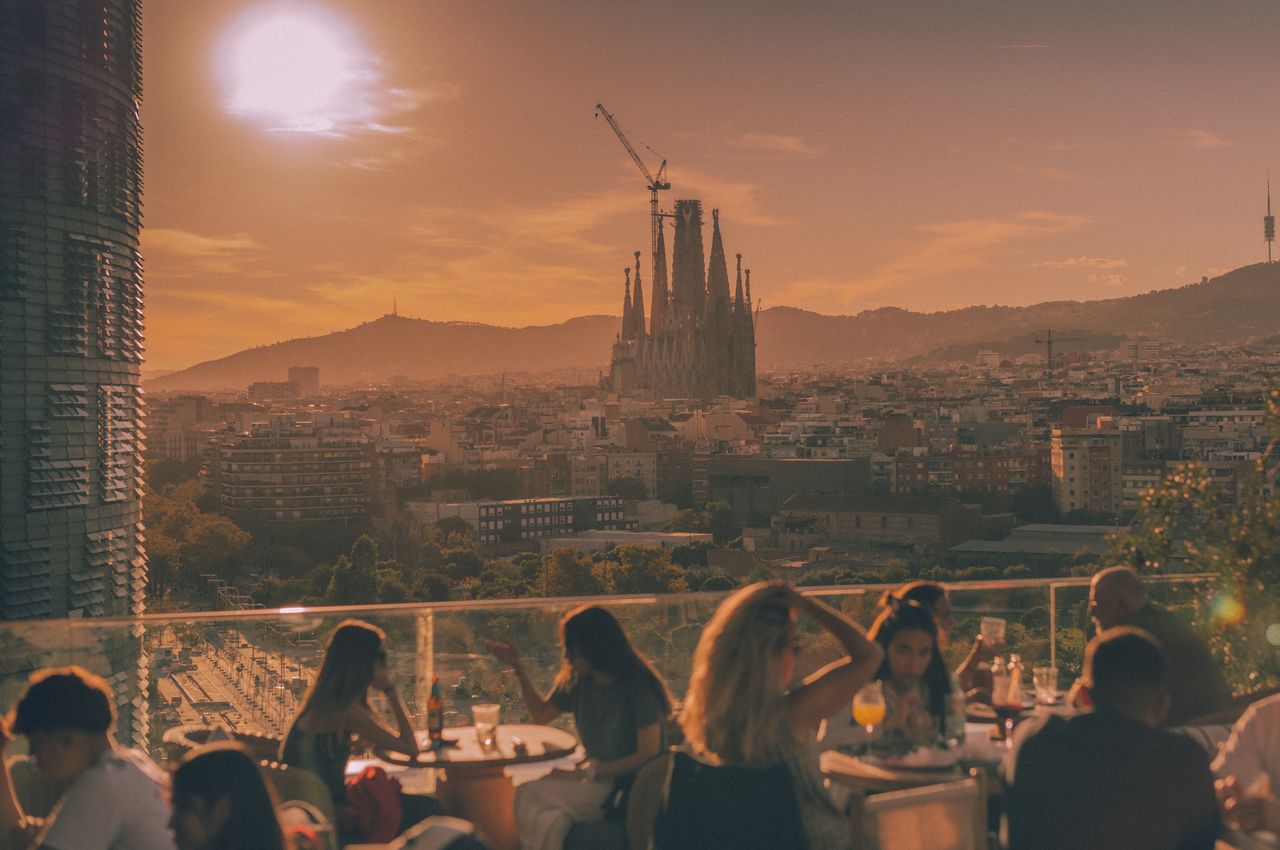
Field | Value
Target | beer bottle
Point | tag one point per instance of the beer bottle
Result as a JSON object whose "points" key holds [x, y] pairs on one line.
{"points": [[435, 714]]}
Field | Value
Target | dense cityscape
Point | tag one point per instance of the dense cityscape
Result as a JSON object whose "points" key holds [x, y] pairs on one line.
{"points": [[853, 478]]}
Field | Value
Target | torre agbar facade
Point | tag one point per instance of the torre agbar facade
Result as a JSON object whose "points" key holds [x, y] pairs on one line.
{"points": [[699, 342], [71, 535]]}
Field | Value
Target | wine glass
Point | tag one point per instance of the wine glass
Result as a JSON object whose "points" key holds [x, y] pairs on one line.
{"points": [[869, 708]]}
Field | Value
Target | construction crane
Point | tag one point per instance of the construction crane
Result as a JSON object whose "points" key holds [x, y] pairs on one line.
{"points": [[1048, 341], [655, 184]]}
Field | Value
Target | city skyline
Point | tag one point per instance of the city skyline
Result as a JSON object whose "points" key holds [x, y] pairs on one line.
{"points": [[922, 156]]}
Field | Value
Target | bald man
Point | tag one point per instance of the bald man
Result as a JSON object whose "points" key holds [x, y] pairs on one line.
{"points": [[1117, 597]]}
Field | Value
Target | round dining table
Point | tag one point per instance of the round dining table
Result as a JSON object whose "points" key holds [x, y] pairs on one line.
{"points": [[474, 782]]}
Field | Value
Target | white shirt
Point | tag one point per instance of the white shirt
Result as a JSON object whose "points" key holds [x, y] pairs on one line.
{"points": [[120, 803], [1253, 749]]}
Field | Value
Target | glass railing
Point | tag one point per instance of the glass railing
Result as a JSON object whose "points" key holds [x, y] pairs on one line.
{"points": [[246, 670]]}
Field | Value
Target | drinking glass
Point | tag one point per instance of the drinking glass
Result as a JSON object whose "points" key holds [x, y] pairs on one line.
{"points": [[993, 629], [1046, 684], [869, 708], [485, 717], [1008, 708]]}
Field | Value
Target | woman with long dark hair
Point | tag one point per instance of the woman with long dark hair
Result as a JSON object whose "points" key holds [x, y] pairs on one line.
{"points": [[220, 802], [917, 687], [620, 706], [336, 708], [970, 674]]}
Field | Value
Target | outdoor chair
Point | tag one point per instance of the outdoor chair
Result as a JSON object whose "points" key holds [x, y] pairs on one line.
{"points": [[435, 833], [709, 807], [296, 783], [946, 816], [37, 793], [181, 740]]}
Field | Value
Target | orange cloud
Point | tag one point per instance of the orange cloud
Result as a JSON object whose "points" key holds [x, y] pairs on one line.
{"points": [[948, 249], [1204, 140], [774, 143], [1083, 262], [181, 253]]}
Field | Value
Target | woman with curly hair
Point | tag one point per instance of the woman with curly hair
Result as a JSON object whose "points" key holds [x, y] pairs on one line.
{"points": [[744, 706]]}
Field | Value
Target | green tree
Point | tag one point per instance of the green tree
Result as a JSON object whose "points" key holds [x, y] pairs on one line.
{"points": [[430, 587], [1190, 519], [462, 563], [568, 572], [644, 569], [629, 487], [690, 554], [689, 520], [454, 531], [391, 587], [722, 523], [1034, 503], [718, 581], [355, 576]]}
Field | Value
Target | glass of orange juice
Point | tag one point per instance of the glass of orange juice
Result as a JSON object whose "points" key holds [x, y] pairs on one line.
{"points": [[869, 708]]}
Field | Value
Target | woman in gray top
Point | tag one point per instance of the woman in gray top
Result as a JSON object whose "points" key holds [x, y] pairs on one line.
{"points": [[744, 708], [620, 706]]}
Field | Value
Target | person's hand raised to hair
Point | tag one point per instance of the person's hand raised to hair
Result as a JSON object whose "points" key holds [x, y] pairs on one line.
{"points": [[503, 650]]}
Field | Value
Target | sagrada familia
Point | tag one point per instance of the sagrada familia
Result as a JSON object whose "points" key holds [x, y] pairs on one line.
{"points": [[699, 343]]}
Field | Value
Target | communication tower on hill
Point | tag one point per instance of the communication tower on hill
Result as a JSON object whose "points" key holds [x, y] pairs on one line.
{"points": [[1269, 223]]}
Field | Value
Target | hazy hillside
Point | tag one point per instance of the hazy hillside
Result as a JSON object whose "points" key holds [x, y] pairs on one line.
{"points": [[1242, 303]]}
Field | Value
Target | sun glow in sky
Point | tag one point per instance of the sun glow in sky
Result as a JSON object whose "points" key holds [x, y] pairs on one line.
{"points": [[294, 69], [308, 161]]}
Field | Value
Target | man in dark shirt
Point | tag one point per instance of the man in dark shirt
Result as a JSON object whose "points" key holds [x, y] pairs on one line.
{"points": [[1110, 778], [1196, 684]]}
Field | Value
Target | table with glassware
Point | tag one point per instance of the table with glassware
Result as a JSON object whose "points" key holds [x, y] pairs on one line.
{"points": [[475, 783], [870, 768], [925, 766]]}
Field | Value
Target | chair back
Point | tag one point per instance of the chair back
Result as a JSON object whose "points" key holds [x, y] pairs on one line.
{"points": [[946, 816], [645, 801], [36, 792], [296, 783], [709, 807], [434, 833]]}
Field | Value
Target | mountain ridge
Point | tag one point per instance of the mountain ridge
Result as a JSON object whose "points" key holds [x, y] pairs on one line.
{"points": [[1239, 304]]}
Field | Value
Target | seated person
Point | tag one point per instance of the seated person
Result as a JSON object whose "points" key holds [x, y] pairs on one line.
{"points": [[116, 799], [745, 706], [1118, 598], [1110, 777], [220, 802], [918, 690], [336, 708], [620, 705], [970, 675], [1248, 766]]}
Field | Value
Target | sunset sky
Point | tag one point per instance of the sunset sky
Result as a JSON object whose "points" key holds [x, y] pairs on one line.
{"points": [[307, 162]]}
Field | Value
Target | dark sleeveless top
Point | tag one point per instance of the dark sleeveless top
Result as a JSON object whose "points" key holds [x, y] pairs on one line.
{"points": [[323, 753]]}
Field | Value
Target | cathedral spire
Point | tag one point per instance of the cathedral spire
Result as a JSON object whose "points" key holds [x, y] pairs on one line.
{"points": [[718, 271], [658, 312], [637, 304], [738, 304], [626, 307]]}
